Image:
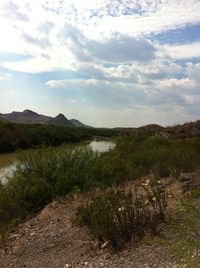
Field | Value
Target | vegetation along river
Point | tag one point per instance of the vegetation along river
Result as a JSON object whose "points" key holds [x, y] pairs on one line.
{"points": [[8, 161]]}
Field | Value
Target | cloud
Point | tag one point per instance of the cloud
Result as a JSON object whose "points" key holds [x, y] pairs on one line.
{"points": [[117, 48], [33, 65], [139, 17], [193, 71], [159, 70], [183, 84], [43, 42], [9, 9], [122, 49], [185, 51], [181, 92], [46, 27], [107, 48]]}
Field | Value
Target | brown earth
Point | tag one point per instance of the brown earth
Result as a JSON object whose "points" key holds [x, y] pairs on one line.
{"points": [[51, 240], [187, 130]]}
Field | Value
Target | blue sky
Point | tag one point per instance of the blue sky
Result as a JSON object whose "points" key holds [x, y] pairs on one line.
{"points": [[105, 62]]}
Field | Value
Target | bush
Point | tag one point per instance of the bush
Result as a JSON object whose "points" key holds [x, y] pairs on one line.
{"points": [[118, 215], [45, 174], [15, 136], [164, 157]]}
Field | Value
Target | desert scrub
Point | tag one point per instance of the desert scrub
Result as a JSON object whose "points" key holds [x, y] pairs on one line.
{"points": [[120, 215], [45, 174], [138, 156], [183, 238]]}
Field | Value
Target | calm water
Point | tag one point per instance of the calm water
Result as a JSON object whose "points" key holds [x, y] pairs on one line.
{"points": [[8, 161], [101, 146], [7, 165]]}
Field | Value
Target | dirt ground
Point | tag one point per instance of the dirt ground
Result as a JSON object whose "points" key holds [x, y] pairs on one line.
{"points": [[50, 239]]}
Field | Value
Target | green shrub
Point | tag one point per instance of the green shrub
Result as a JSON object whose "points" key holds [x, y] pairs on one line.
{"points": [[164, 157], [118, 215], [15, 136], [45, 174]]}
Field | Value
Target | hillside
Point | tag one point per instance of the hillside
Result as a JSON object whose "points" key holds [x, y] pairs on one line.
{"points": [[30, 117], [51, 239], [187, 130]]}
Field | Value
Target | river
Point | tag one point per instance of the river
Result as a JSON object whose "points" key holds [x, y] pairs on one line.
{"points": [[8, 161]]}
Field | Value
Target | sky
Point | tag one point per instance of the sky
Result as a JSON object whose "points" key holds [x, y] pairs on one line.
{"points": [[108, 63]]}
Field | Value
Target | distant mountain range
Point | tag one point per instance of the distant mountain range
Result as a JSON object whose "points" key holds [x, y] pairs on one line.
{"points": [[30, 117]]}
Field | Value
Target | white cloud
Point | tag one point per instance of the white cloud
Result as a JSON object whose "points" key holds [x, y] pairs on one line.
{"points": [[186, 51], [34, 65], [184, 83], [144, 17], [39, 23], [190, 99], [105, 43], [193, 71]]}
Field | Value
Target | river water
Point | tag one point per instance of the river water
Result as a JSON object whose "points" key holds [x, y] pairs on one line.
{"points": [[8, 161]]}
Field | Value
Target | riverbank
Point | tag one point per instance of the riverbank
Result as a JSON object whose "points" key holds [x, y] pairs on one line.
{"points": [[15, 136], [46, 175], [52, 239], [8, 161]]}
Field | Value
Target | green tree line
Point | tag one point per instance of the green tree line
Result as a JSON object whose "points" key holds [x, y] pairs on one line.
{"points": [[22, 136]]}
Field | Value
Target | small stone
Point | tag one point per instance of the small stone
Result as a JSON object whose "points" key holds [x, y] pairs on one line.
{"points": [[105, 245], [67, 265], [14, 236], [32, 234]]}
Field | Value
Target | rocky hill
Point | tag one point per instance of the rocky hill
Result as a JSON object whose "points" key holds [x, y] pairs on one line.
{"points": [[30, 117], [187, 130]]}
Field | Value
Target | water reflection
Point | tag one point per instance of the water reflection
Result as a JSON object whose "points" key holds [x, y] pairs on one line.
{"points": [[101, 146], [7, 166], [7, 172]]}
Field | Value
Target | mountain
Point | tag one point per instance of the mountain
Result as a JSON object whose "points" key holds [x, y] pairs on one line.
{"points": [[77, 123], [26, 117], [30, 117], [60, 120]]}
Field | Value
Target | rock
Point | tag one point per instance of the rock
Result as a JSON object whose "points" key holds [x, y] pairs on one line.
{"points": [[33, 233], [105, 245], [13, 237], [67, 265]]}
